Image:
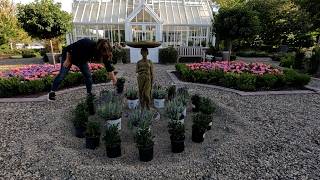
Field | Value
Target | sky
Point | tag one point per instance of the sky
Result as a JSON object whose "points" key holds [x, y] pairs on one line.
{"points": [[65, 4]]}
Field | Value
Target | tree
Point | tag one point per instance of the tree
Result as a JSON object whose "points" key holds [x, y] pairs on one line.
{"points": [[44, 19], [229, 3], [280, 19], [9, 27], [236, 23]]}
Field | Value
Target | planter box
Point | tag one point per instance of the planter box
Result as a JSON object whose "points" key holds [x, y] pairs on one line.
{"points": [[56, 56], [133, 104], [113, 122], [159, 103]]}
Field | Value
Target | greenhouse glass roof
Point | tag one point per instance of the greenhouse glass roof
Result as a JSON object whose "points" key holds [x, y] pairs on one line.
{"points": [[169, 12]]}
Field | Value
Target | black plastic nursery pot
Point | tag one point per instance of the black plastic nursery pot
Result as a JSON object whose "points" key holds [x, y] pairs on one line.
{"points": [[146, 153], [120, 88], [197, 135], [79, 132], [92, 142], [114, 151], [177, 146]]}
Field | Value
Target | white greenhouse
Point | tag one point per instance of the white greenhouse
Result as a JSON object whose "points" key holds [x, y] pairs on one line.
{"points": [[178, 23]]}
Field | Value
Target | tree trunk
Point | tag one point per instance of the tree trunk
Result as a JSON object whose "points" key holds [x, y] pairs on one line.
{"points": [[229, 48], [51, 46]]}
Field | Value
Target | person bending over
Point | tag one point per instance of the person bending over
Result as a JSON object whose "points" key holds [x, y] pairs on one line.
{"points": [[79, 54]]}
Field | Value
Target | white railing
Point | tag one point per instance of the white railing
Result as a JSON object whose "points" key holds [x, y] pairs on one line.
{"points": [[191, 52]]}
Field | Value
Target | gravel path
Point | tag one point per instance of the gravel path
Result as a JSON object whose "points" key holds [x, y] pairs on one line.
{"points": [[265, 137], [21, 61]]}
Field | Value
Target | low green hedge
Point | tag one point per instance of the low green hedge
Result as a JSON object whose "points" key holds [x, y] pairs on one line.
{"points": [[245, 81], [168, 55], [15, 87]]}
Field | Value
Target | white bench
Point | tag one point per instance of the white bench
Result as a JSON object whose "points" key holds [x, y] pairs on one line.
{"points": [[191, 52]]}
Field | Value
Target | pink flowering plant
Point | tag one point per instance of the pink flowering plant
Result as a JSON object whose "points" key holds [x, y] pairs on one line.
{"points": [[235, 67], [36, 71], [242, 76]]}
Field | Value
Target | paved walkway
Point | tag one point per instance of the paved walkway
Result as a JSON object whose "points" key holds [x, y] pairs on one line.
{"points": [[269, 137]]}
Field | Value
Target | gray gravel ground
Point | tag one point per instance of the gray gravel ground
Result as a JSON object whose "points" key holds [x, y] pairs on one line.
{"points": [[256, 137]]}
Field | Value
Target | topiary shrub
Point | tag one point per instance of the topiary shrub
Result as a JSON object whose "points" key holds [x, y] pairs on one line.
{"points": [[168, 55], [247, 82], [293, 78]]}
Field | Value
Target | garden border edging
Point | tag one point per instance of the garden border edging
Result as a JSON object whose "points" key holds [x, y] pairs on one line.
{"points": [[242, 93]]}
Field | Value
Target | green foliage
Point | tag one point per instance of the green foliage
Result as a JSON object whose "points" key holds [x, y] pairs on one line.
{"points": [[9, 26], [314, 61], [44, 19], [267, 81], [252, 54], [80, 115], [279, 20], [293, 78], [176, 130], [237, 22], [119, 55], [200, 121], [15, 86], [183, 96], [215, 76], [171, 90], [28, 53], [112, 136], [93, 129], [140, 118], [100, 76], [312, 8], [168, 55], [144, 138], [230, 80], [287, 60], [247, 82], [196, 101], [159, 93], [132, 93], [174, 109], [111, 110], [206, 106]]}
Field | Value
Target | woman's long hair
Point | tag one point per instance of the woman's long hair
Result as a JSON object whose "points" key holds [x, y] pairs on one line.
{"points": [[104, 50]]}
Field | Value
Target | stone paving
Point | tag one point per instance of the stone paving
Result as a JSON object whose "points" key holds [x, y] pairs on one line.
{"points": [[255, 137]]}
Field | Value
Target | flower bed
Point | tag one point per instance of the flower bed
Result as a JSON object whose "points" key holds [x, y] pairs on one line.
{"points": [[33, 79], [242, 76]]}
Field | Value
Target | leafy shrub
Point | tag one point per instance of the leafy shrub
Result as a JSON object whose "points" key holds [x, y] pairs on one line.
{"points": [[233, 57], [112, 136], [200, 122], [159, 93], [144, 137], [81, 115], [287, 60], [93, 129], [100, 76], [176, 130], [252, 54], [296, 79], [119, 55], [215, 76], [171, 90], [174, 109], [111, 110], [28, 53], [247, 82], [230, 79], [200, 76], [314, 61], [267, 81], [206, 106], [168, 55]]}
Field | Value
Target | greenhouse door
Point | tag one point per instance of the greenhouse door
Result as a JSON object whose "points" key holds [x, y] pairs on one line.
{"points": [[144, 33]]}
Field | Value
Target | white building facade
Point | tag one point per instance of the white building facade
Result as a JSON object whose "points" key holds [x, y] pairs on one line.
{"points": [[172, 22]]}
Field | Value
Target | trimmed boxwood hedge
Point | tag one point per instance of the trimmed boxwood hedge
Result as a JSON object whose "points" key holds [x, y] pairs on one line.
{"points": [[15, 87], [245, 81]]}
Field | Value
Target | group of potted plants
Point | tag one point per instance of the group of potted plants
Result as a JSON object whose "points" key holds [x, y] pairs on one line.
{"points": [[202, 120], [110, 109]]}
